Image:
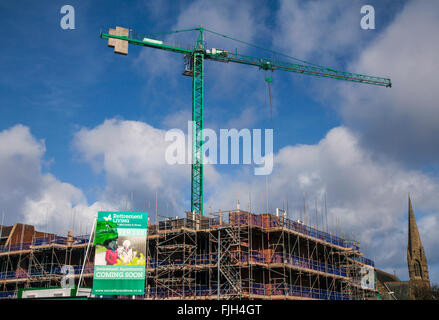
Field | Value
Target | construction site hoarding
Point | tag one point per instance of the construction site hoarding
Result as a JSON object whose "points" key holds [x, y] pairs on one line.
{"points": [[120, 253]]}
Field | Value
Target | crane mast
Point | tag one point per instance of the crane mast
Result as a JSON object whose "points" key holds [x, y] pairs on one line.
{"points": [[197, 126]]}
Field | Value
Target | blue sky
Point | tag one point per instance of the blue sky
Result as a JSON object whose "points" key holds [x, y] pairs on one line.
{"points": [[91, 123]]}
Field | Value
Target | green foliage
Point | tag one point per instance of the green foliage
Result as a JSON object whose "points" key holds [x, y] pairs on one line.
{"points": [[139, 260], [105, 230], [100, 249]]}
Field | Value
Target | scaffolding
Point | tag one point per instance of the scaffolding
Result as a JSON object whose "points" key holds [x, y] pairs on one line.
{"points": [[41, 263], [227, 255], [240, 255]]}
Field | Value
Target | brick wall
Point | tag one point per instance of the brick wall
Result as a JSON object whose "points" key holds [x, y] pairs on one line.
{"points": [[25, 233]]}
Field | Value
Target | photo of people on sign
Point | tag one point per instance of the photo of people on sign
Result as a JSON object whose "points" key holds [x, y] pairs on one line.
{"points": [[121, 251]]}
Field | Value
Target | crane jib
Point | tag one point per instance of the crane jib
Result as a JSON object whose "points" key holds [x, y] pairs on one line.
{"points": [[263, 63], [151, 44]]}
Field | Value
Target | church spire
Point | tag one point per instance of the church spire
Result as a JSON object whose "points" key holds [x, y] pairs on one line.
{"points": [[413, 236], [417, 262]]}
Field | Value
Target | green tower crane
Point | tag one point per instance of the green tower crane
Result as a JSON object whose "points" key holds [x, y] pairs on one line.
{"points": [[194, 57]]}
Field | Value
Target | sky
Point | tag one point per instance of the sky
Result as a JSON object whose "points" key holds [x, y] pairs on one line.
{"points": [[83, 129]]}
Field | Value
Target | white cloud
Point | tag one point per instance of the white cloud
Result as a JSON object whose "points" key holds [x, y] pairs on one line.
{"points": [[178, 120], [400, 122], [247, 118], [318, 30], [61, 207], [131, 154], [20, 163], [20, 168], [30, 196]]}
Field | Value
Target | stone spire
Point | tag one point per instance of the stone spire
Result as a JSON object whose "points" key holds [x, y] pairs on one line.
{"points": [[417, 262]]}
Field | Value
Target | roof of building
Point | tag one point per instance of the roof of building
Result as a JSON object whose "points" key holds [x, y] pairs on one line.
{"points": [[383, 276], [400, 289]]}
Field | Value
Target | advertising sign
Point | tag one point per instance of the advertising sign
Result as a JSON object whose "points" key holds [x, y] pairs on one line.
{"points": [[120, 253]]}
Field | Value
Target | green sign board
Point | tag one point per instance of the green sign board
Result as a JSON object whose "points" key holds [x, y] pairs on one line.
{"points": [[120, 253]]}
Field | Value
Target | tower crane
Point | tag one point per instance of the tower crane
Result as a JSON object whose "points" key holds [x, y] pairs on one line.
{"points": [[194, 58]]}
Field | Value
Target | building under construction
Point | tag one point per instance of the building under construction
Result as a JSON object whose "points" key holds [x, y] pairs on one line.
{"points": [[31, 259], [228, 255]]}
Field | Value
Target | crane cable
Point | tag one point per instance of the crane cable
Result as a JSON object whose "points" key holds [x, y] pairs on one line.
{"points": [[265, 49], [237, 40], [269, 80], [169, 32]]}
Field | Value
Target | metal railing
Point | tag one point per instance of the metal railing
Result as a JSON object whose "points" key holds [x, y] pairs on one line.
{"points": [[42, 242], [34, 273], [255, 289], [272, 221], [363, 260], [256, 257]]}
